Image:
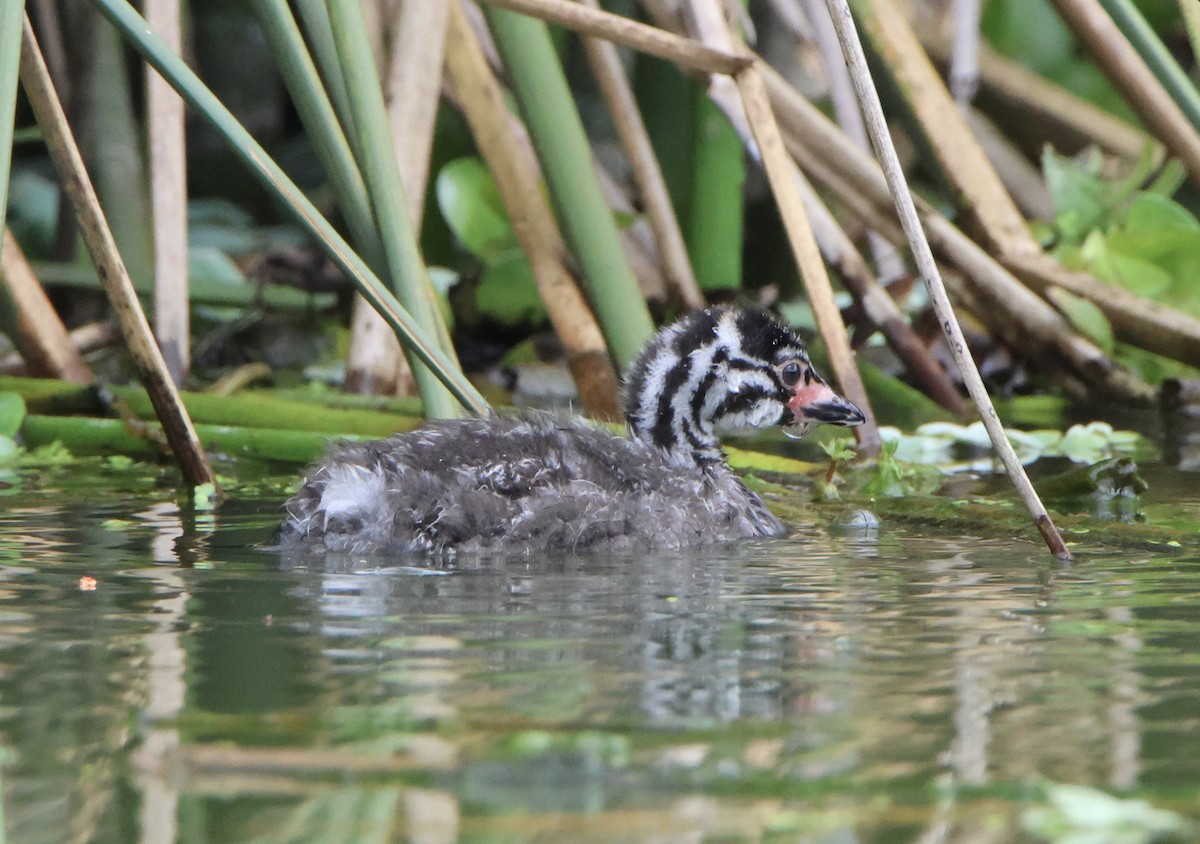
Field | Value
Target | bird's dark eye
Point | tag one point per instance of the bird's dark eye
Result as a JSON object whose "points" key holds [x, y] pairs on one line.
{"points": [[791, 373]]}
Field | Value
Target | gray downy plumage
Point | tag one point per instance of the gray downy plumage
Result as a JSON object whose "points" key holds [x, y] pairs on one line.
{"points": [[542, 483]]}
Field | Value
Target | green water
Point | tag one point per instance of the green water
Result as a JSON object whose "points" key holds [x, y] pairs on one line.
{"points": [[821, 688]]}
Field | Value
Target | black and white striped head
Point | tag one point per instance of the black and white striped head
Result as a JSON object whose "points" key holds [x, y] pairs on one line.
{"points": [[725, 370]]}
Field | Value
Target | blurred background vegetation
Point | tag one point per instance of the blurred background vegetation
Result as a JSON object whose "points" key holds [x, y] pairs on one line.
{"points": [[535, 263]]}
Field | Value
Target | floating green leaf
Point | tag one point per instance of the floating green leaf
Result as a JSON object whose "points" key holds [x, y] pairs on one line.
{"points": [[204, 497]]}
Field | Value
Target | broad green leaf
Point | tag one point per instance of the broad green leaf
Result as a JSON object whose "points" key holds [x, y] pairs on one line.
{"points": [[222, 225], [1162, 246], [33, 212], [1134, 274], [1140, 276], [1080, 196], [1029, 31], [1173, 252], [12, 414], [507, 293], [1086, 316], [1149, 212], [1169, 179], [471, 204], [218, 212], [211, 264]]}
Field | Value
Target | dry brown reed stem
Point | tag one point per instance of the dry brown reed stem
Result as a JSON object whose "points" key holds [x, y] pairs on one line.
{"points": [[50, 28], [647, 175], [714, 30], [412, 87], [412, 81], [839, 251], [375, 364], [684, 52], [1021, 178], [831, 159], [1144, 323], [152, 370], [839, 10], [168, 199], [889, 264], [1012, 312], [880, 309], [482, 101], [964, 61], [41, 336], [976, 184], [1056, 114], [86, 338], [1121, 63], [998, 220]]}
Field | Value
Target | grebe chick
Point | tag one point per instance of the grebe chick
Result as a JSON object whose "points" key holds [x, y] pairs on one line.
{"points": [[530, 484]]}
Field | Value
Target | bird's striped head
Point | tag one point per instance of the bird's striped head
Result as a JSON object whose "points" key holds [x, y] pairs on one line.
{"points": [[720, 371]]}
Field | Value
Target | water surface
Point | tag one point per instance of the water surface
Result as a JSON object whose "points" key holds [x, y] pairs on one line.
{"points": [[819, 688]]}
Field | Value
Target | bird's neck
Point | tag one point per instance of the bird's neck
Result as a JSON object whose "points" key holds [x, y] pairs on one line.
{"points": [[684, 439]]}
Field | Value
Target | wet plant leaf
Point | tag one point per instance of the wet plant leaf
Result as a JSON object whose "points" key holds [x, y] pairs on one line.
{"points": [[888, 481], [12, 414], [204, 497], [954, 448]]}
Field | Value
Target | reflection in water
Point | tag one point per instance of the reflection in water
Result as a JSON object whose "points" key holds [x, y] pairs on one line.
{"points": [[857, 689], [166, 690]]}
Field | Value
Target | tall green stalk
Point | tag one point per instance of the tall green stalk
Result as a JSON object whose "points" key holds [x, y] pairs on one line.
{"points": [[315, 17], [714, 228], [562, 146], [321, 124], [376, 154], [183, 80], [12, 12], [668, 101], [116, 154], [1156, 56]]}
